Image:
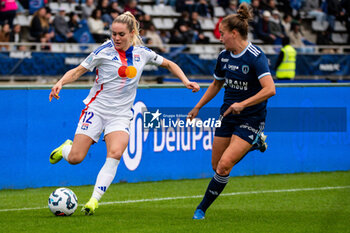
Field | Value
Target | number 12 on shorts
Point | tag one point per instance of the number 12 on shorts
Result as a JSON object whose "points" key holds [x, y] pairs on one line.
{"points": [[87, 120]]}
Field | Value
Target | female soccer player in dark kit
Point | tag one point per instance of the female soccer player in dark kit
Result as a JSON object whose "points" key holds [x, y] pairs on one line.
{"points": [[244, 70]]}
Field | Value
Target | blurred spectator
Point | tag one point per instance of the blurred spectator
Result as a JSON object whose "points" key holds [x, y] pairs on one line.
{"points": [[276, 27], [270, 6], [152, 34], [314, 10], [103, 5], [286, 61], [114, 5], [8, 10], [195, 25], [39, 24], [345, 15], [5, 36], [286, 23], [16, 37], [63, 33], [263, 29], [49, 19], [185, 5], [224, 3], [204, 8], [87, 8], [284, 7], [96, 26], [184, 35], [45, 41], [165, 36], [232, 9], [257, 14], [145, 21], [295, 35], [108, 18], [134, 9], [183, 20], [333, 11], [73, 22], [323, 38]]}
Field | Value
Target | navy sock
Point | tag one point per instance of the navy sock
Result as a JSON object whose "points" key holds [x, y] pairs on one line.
{"points": [[215, 187]]}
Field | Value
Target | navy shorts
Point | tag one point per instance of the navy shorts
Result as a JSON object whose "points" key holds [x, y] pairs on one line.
{"points": [[248, 128]]}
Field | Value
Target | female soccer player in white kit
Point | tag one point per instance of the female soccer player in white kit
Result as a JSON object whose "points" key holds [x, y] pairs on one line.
{"points": [[119, 63]]}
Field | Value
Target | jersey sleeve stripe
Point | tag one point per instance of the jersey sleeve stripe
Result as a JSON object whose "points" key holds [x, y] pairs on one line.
{"points": [[263, 75], [253, 52], [99, 49], [255, 49], [218, 78]]}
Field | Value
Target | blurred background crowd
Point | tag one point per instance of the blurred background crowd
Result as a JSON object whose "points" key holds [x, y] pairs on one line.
{"points": [[305, 22]]}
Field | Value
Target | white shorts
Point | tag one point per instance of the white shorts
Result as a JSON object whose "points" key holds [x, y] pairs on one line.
{"points": [[93, 123]]}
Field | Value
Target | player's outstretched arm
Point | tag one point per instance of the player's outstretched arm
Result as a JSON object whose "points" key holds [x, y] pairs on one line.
{"points": [[176, 70], [69, 77], [211, 92]]}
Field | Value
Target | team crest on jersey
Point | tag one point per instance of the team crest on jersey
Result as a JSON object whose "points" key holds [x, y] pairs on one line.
{"points": [[245, 69], [137, 57]]}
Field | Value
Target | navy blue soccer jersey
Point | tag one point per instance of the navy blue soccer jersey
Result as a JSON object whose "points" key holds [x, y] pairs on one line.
{"points": [[241, 73]]}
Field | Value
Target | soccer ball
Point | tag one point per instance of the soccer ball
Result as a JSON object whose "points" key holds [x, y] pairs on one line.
{"points": [[63, 202]]}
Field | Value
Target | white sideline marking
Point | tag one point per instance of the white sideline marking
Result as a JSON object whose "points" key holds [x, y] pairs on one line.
{"points": [[196, 196]]}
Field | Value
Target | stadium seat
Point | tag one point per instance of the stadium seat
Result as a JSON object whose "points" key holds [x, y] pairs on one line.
{"points": [[169, 11], [66, 7], [339, 27], [158, 10], [211, 37], [219, 12], [340, 38], [168, 23], [207, 24], [54, 6], [22, 20], [148, 10], [159, 23], [319, 27]]}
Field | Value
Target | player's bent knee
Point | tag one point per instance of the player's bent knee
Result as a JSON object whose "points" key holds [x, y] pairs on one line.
{"points": [[75, 158], [115, 154], [223, 171]]}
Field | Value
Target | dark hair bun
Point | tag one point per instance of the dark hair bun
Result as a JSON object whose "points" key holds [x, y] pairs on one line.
{"points": [[243, 12]]}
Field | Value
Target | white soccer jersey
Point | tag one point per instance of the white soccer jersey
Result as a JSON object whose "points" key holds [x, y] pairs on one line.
{"points": [[117, 76]]}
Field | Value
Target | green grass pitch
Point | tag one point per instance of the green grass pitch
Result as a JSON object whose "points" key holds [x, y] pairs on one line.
{"points": [[316, 202]]}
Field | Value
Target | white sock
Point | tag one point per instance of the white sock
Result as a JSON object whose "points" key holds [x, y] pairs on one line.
{"points": [[105, 177], [65, 151]]}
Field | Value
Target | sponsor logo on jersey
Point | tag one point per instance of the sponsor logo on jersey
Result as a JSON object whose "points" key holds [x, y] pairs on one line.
{"points": [[115, 58], [233, 67], [224, 59], [238, 85]]}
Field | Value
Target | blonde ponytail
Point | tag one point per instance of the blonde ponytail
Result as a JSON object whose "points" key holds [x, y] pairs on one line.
{"points": [[132, 24]]}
